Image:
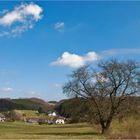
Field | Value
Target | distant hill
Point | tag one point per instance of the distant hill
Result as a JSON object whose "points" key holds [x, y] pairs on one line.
{"points": [[24, 104], [8, 104]]}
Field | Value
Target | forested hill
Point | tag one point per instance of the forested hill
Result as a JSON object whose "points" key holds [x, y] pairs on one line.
{"points": [[7, 104], [66, 108]]}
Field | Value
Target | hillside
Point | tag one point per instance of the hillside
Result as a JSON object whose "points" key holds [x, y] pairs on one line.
{"points": [[24, 104], [8, 104], [31, 114]]}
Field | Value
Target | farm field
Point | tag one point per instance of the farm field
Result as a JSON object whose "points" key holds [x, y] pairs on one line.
{"points": [[31, 113], [128, 129], [20, 130]]}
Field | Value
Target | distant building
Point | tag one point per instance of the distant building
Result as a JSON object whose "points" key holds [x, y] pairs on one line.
{"points": [[2, 117], [60, 121], [52, 114], [50, 122], [31, 120]]}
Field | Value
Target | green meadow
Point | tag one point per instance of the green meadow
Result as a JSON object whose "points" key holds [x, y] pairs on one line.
{"points": [[20, 130], [128, 129]]}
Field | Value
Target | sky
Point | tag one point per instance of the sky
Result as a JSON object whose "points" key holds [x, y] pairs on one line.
{"points": [[41, 43]]}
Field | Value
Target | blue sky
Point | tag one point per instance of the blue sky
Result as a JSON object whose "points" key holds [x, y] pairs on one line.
{"points": [[42, 42]]}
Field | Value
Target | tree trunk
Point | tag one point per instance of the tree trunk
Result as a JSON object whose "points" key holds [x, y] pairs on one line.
{"points": [[104, 130], [102, 127], [105, 127]]}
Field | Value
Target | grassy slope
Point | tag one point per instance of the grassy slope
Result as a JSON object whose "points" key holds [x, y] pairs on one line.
{"points": [[31, 113]]}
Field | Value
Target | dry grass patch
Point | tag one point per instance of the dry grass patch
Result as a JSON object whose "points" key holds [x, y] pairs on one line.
{"points": [[128, 129]]}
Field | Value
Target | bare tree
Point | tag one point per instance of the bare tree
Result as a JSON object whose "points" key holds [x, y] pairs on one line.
{"points": [[105, 89]]}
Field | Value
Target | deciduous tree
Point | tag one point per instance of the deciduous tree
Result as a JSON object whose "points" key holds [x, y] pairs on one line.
{"points": [[105, 89]]}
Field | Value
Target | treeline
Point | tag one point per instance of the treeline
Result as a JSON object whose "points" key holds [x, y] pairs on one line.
{"points": [[78, 109]]}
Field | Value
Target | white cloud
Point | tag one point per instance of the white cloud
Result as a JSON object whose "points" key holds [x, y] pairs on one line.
{"points": [[31, 93], [21, 13], [56, 85], [120, 51], [100, 78], [20, 19], [74, 60], [59, 26], [6, 90]]}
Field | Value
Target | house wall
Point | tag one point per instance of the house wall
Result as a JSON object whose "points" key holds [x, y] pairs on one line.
{"points": [[60, 121], [2, 119]]}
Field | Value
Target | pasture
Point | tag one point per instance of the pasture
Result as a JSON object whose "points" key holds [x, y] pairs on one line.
{"points": [[21, 130], [128, 129]]}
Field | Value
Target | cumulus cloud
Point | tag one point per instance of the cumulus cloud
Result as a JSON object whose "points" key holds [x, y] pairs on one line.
{"points": [[74, 60], [20, 19], [6, 90], [59, 26]]}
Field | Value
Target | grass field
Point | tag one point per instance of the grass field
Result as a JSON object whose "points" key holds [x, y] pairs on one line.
{"points": [[128, 129], [20, 130], [31, 113]]}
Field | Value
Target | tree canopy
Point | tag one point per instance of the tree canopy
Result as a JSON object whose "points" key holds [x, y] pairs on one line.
{"points": [[105, 88]]}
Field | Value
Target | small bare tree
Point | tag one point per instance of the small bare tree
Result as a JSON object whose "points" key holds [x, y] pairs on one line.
{"points": [[105, 89]]}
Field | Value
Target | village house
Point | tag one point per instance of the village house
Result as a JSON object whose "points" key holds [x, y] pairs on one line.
{"points": [[60, 121], [50, 122], [52, 114], [35, 120], [31, 120], [2, 117]]}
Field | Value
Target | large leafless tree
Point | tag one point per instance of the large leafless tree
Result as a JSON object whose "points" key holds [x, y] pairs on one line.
{"points": [[105, 89]]}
